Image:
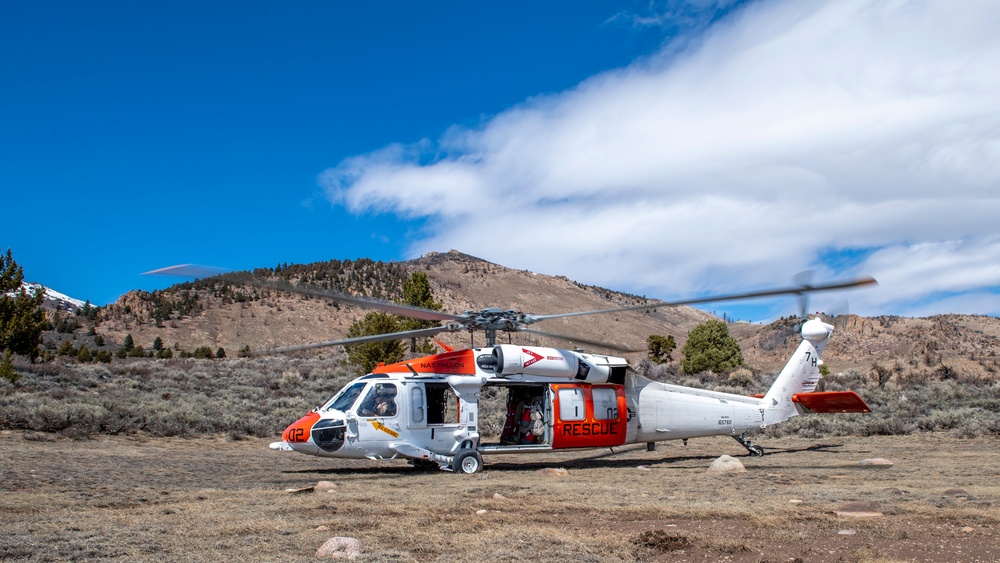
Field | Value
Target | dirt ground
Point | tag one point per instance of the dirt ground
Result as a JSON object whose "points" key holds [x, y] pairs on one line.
{"points": [[142, 499]]}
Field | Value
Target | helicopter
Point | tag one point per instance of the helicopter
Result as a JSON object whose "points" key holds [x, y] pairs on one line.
{"points": [[427, 409]]}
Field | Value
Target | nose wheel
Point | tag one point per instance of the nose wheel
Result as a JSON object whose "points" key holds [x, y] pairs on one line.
{"points": [[755, 451]]}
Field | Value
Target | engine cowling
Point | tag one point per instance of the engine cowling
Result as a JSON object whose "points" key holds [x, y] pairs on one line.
{"points": [[556, 363]]}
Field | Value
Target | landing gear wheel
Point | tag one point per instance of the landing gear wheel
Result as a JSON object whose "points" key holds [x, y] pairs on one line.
{"points": [[467, 461], [755, 451]]}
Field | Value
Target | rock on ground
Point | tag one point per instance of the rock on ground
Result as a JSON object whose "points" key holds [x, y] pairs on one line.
{"points": [[325, 486], [340, 548], [876, 461], [726, 464], [554, 472]]}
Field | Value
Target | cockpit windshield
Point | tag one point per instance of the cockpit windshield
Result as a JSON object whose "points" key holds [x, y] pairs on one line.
{"points": [[345, 399]]}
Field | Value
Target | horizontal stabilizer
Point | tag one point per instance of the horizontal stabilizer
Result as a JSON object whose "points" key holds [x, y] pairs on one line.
{"points": [[831, 402]]}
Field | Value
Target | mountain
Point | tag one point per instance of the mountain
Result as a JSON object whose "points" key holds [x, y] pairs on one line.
{"points": [[53, 299], [217, 313]]}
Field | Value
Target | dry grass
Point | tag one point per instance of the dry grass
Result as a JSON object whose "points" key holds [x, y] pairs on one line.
{"points": [[216, 499]]}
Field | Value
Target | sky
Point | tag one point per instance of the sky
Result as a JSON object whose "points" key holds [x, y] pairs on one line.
{"points": [[668, 149]]}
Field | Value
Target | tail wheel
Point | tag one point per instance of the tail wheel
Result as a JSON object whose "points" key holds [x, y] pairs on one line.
{"points": [[467, 461], [755, 451]]}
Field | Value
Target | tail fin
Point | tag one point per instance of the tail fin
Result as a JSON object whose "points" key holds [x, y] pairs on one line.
{"points": [[800, 375]]}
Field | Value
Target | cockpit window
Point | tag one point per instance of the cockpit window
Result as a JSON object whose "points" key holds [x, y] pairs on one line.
{"points": [[380, 401], [345, 399]]}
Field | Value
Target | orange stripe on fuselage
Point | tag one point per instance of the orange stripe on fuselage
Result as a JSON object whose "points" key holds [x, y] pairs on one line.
{"points": [[458, 363]]}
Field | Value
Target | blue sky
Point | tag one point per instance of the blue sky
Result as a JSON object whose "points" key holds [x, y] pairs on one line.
{"points": [[665, 149]]}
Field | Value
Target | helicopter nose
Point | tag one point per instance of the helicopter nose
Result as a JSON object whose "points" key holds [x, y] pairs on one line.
{"points": [[297, 433]]}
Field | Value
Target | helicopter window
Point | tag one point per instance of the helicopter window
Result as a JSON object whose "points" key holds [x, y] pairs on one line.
{"points": [[380, 401], [345, 399], [442, 404], [571, 404], [605, 404], [417, 404]]}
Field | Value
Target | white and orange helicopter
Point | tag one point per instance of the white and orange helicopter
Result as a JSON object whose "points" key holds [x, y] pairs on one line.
{"points": [[427, 410]]}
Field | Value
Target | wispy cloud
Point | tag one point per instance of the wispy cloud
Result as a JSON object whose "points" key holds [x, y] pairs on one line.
{"points": [[780, 135]]}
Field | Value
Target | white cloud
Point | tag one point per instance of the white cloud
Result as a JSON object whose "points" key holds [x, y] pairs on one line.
{"points": [[783, 131]]}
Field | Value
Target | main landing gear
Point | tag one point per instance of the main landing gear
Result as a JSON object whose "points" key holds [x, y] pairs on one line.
{"points": [[467, 461], [755, 451]]}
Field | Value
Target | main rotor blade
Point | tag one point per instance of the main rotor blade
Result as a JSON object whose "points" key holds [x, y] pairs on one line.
{"points": [[366, 302], [867, 280], [198, 271], [578, 339], [420, 333]]}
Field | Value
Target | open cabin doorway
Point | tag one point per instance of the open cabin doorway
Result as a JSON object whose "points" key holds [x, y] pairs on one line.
{"points": [[515, 417]]}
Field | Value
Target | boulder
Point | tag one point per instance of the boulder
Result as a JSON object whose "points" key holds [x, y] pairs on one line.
{"points": [[325, 487], [340, 548], [726, 465], [554, 472]]}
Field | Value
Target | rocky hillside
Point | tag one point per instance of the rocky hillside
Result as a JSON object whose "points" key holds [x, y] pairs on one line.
{"points": [[964, 344], [217, 313]]}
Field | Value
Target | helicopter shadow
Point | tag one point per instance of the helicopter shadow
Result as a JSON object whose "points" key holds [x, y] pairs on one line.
{"points": [[603, 460], [607, 460]]}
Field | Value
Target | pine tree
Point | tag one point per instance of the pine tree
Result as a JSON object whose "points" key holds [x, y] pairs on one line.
{"points": [[7, 372], [710, 347], [129, 343], [661, 348], [21, 317], [66, 348], [84, 355], [369, 354], [417, 292]]}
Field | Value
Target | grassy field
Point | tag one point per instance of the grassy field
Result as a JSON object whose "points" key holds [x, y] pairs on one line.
{"points": [[220, 499]]}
